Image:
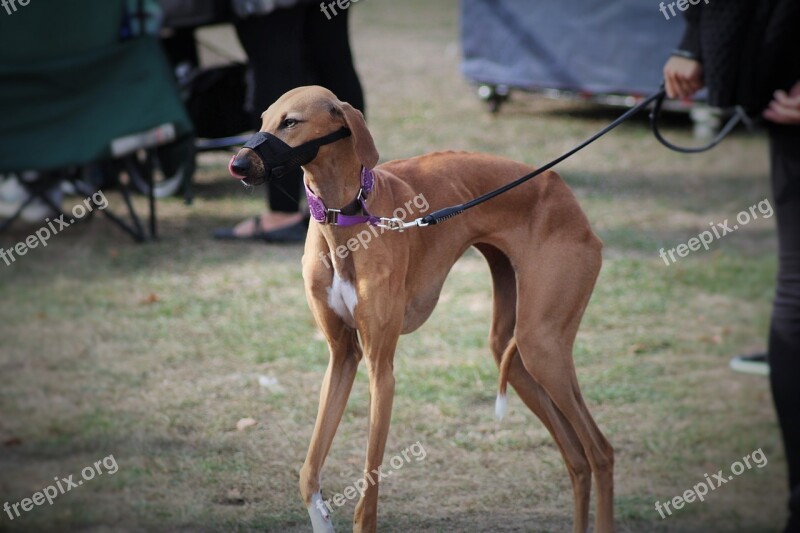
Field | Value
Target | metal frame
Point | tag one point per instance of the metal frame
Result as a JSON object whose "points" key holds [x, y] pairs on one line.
{"points": [[133, 227]]}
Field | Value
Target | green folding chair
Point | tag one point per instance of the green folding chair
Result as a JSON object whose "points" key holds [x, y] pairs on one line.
{"points": [[77, 100]]}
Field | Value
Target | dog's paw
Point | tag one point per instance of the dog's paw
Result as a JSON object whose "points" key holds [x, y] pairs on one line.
{"points": [[320, 515]]}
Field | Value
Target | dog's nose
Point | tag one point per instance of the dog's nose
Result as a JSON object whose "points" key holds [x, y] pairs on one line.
{"points": [[238, 167]]}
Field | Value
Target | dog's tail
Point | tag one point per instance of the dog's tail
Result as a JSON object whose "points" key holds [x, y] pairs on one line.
{"points": [[501, 405]]}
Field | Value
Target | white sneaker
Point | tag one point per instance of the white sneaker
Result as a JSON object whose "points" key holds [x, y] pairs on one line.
{"points": [[751, 364], [13, 194]]}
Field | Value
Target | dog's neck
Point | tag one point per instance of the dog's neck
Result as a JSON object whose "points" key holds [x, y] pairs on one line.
{"points": [[336, 180]]}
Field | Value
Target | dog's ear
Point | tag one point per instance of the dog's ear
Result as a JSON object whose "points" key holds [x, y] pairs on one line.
{"points": [[362, 139]]}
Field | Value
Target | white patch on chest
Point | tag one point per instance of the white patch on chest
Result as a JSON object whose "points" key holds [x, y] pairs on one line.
{"points": [[342, 299]]}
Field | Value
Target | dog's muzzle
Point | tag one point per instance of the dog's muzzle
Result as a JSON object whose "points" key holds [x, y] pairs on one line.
{"points": [[279, 158]]}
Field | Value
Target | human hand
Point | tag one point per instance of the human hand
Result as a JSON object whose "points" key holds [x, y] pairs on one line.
{"points": [[784, 108], [683, 77]]}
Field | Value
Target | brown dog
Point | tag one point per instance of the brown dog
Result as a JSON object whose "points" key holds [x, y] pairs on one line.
{"points": [[544, 259]]}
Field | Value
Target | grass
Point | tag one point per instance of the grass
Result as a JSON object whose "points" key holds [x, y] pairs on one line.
{"points": [[153, 353]]}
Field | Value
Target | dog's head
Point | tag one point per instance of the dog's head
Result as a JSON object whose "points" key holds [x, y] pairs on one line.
{"points": [[300, 116]]}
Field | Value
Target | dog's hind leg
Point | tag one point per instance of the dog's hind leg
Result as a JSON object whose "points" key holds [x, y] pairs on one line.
{"points": [[531, 393], [552, 298], [580, 472]]}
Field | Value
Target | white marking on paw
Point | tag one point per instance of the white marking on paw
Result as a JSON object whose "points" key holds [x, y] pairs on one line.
{"points": [[342, 299], [320, 515], [500, 406]]}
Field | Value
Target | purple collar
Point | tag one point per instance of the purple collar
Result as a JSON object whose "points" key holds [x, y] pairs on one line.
{"points": [[346, 216]]}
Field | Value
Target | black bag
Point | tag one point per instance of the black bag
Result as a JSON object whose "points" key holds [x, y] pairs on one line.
{"points": [[216, 102], [192, 13]]}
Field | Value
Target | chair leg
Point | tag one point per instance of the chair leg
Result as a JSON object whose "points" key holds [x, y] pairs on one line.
{"points": [[40, 187], [135, 229], [188, 176], [149, 171]]}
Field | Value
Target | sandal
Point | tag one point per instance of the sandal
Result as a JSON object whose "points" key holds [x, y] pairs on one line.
{"points": [[288, 234]]}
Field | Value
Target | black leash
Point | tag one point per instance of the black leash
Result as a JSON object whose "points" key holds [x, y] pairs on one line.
{"points": [[740, 115], [657, 97]]}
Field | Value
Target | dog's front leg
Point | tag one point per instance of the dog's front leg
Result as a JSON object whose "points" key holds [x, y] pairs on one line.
{"points": [[336, 387], [379, 354]]}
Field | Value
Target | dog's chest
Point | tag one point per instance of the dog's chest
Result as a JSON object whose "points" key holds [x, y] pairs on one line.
{"points": [[342, 299]]}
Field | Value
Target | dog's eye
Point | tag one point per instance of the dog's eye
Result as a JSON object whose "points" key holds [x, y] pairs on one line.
{"points": [[289, 122]]}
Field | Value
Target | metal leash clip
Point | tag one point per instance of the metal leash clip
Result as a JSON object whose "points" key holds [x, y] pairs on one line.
{"points": [[397, 224]]}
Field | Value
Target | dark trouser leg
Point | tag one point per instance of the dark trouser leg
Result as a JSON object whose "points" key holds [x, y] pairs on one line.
{"points": [[274, 46], [327, 49], [784, 339]]}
